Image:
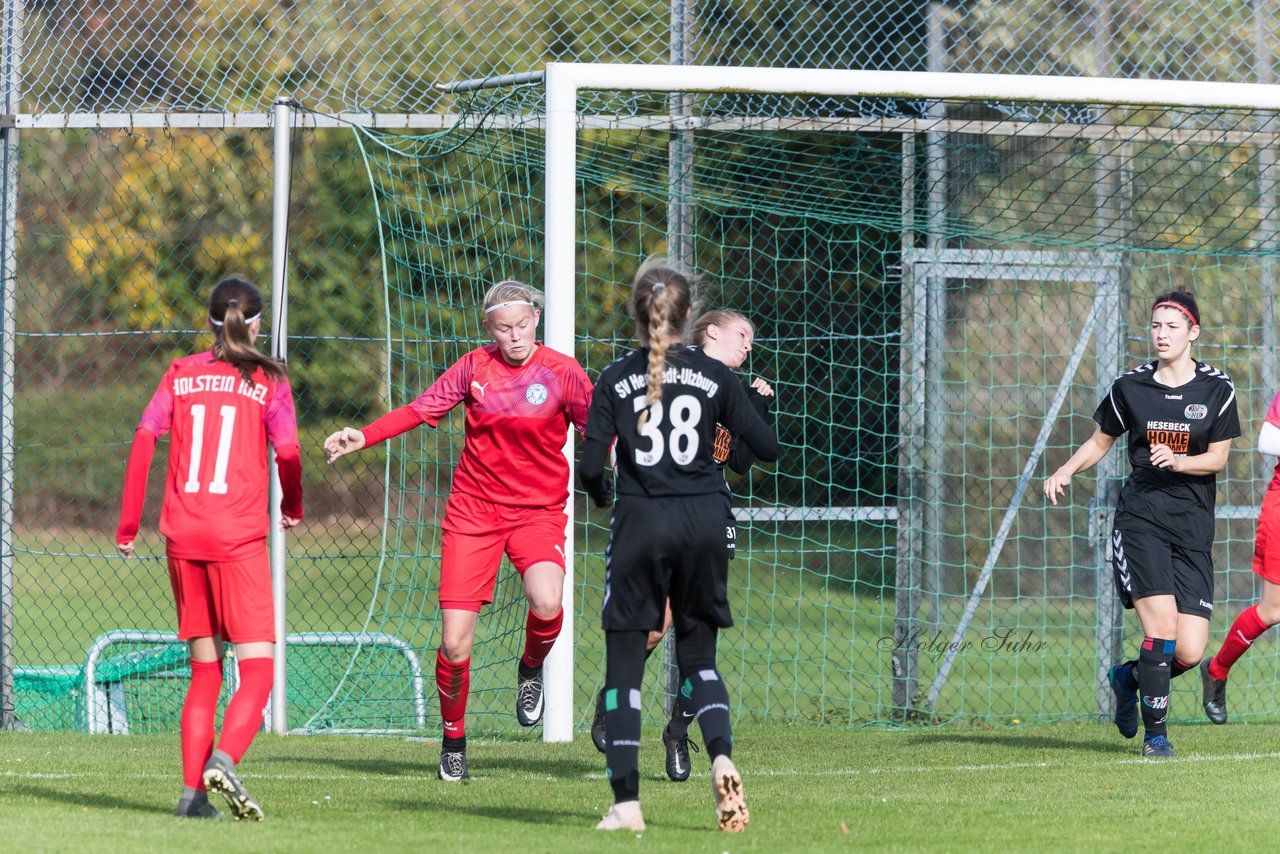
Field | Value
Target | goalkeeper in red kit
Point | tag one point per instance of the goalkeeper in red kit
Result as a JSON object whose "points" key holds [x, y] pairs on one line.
{"points": [[508, 496], [221, 408]]}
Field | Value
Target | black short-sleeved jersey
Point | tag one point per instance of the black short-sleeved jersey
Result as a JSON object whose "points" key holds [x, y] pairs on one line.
{"points": [[728, 449], [672, 454], [1188, 419]]}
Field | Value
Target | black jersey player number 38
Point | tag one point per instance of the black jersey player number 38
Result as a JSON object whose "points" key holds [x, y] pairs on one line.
{"points": [[682, 427]]}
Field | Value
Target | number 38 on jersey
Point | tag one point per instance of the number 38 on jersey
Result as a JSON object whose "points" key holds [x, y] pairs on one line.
{"points": [[678, 437]]}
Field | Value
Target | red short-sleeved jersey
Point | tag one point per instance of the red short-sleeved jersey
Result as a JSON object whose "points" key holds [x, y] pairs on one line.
{"points": [[1273, 418], [215, 503], [517, 419]]}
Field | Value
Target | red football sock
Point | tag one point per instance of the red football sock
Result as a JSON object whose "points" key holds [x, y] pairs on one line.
{"points": [[453, 682], [198, 712], [1243, 632], [244, 713], [539, 636]]}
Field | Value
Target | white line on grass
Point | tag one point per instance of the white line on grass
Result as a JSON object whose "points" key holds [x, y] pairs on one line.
{"points": [[747, 771]]}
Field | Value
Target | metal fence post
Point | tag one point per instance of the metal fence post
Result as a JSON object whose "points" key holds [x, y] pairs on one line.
{"points": [[1263, 48], [10, 76], [906, 593], [932, 578], [679, 231]]}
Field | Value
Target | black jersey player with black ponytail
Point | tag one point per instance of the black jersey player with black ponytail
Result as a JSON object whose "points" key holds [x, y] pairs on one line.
{"points": [[662, 403], [1180, 415]]}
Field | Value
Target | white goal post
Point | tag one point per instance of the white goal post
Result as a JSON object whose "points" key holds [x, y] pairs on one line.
{"points": [[563, 82]]}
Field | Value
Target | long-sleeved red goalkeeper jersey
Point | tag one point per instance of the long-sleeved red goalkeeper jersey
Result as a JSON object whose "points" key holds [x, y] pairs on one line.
{"points": [[215, 498], [516, 423]]}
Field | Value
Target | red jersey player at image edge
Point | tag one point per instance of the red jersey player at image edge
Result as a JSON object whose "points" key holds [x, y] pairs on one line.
{"points": [[221, 408], [1254, 620], [508, 496]]}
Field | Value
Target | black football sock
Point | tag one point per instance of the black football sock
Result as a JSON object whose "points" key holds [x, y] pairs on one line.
{"points": [[624, 670], [682, 711], [708, 699], [710, 702], [1154, 667]]}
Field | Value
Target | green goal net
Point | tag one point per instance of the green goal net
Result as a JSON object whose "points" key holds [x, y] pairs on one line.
{"points": [[942, 292]]}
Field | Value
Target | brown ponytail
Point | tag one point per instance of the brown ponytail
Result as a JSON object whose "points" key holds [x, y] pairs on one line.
{"points": [[661, 299], [233, 305]]}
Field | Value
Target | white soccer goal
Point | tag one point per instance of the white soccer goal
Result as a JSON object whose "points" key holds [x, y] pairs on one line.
{"points": [[1101, 259]]}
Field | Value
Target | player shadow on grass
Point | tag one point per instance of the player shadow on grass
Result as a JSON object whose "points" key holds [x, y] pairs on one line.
{"points": [[91, 800], [374, 767], [567, 768], [1022, 742], [558, 767], [528, 815]]}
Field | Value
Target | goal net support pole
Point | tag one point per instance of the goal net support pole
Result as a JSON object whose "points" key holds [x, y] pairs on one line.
{"points": [[1033, 460]]}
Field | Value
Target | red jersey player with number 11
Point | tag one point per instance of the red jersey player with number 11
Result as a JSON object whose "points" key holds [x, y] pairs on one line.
{"points": [[221, 407], [509, 493]]}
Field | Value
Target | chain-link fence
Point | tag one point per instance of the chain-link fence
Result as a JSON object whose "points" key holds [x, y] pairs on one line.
{"points": [[385, 55], [143, 174]]}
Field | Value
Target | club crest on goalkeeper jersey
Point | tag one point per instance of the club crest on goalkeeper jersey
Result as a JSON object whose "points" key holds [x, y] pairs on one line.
{"points": [[517, 419]]}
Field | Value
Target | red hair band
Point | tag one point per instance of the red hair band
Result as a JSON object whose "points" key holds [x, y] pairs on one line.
{"points": [[1179, 307]]}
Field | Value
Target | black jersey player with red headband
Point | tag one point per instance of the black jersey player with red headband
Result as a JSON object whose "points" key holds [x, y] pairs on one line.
{"points": [[1180, 416]]}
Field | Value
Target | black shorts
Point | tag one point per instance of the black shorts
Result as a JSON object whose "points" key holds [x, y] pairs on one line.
{"points": [[731, 535], [662, 548], [1147, 564]]}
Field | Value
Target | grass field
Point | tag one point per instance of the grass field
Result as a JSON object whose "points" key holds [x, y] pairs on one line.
{"points": [[805, 647], [1052, 787]]}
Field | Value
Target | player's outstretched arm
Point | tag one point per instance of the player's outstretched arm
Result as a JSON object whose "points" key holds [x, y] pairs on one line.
{"points": [[289, 466], [135, 489], [395, 422], [1086, 456], [346, 441], [762, 400]]}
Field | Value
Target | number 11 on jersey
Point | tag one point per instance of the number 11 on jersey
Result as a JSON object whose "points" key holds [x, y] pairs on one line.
{"points": [[218, 486]]}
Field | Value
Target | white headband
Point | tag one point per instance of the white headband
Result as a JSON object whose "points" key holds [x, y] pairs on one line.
{"points": [[497, 306], [247, 320]]}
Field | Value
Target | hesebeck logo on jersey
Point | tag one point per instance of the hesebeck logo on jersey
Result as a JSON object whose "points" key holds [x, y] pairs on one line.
{"points": [[536, 394], [1196, 411]]}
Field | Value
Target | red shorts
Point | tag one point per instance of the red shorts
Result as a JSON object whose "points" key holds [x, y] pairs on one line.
{"points": [[231, 599], [476, 533], [1266, 541]]}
